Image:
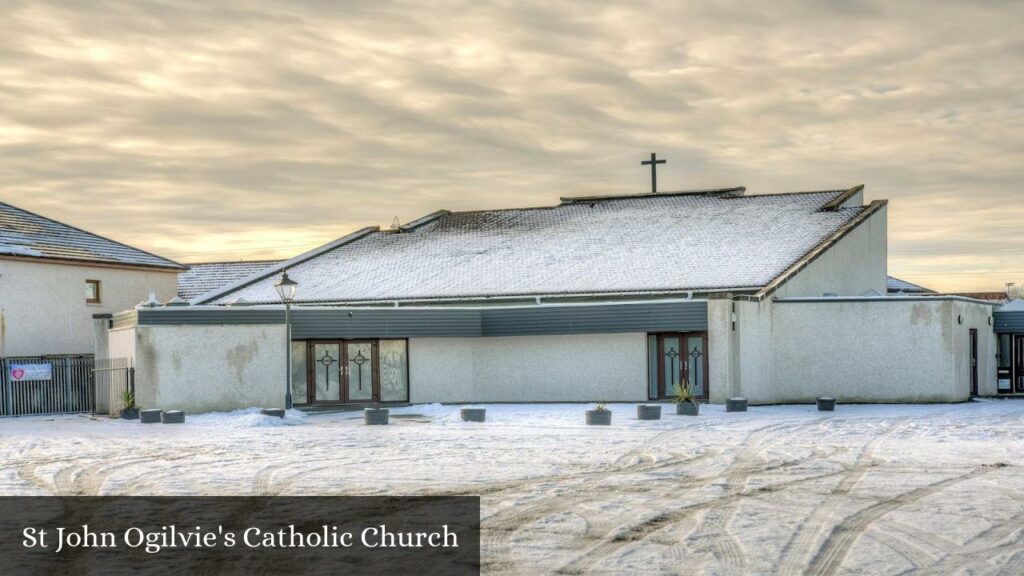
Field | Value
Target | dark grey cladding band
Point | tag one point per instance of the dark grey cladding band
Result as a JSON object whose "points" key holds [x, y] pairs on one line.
{"points": [[674, 316]]}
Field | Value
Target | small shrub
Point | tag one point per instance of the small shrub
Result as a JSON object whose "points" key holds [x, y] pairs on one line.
{"points": [[682, 393], [128, 399], [600, 407]]}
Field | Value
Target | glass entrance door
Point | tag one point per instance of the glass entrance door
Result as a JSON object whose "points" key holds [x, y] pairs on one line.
{"points": [[326, 369], [676, 359], [359, 371], [697, 364], [350, 371]]}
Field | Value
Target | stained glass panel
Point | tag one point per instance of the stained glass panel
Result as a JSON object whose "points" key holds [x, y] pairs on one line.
{"points": [[360, 371], [394, 375], [327, 358], [299, 395]]}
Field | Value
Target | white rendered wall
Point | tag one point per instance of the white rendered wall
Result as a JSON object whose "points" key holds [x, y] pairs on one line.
{"points": [[204, 368], [889, 351], [43, 308], [974, 316], [852, 266], [569, 368]]}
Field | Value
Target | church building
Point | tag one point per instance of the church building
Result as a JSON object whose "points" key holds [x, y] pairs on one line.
{"points": [[774, 297]]}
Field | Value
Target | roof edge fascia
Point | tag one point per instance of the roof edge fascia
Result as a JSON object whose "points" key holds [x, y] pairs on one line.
{"points": [[268, 272], [836, 203], [93, 263], [423, 220], [820, 249]]}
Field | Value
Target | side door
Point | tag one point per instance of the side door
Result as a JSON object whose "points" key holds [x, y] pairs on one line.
{"points": [[1018, 362], [974, 362]]}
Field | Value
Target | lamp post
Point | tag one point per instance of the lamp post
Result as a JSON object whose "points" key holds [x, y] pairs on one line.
{"points": [[286, 290]]}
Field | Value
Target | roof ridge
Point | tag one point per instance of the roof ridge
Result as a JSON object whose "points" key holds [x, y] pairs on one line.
{"points": [[100, 236], [796, 193], [735, 191], [566, 200], [259, 260]]}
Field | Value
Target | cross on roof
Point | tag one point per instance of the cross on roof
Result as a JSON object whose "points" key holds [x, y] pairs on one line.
{"points": [[654, 171]]}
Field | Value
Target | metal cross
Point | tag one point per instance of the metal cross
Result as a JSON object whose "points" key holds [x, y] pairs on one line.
{"points": [[360, 360], [654, 171], [673, 365]]}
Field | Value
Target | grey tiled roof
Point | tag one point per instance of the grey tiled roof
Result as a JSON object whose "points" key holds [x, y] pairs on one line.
{"points": [[23, 233], [206, 276], [635, 244], [897, 285]]}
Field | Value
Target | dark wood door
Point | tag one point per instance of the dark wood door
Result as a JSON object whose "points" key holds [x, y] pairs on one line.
{"points": [[343, 372], [974, 362], [680, 358]]}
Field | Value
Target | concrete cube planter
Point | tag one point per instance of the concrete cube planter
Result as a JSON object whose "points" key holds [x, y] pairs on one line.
{"points": [[375, 416], [275, 412], [151, 416], [599, 417], [826, 404], [688, 409], [173, 417], [130, 414], [736, 405], [648, 412], [473, 414]]}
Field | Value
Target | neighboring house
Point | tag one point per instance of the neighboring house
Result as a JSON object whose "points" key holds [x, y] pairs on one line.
{"points": [[777, 298], [55, 277], [996, 297], [203, 277], [897, 286]]}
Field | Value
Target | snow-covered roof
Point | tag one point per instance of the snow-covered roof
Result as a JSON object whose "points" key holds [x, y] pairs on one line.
{"points": [[896, 285], [640, 244], [25, 234], [203, 277], [1016, 305]]}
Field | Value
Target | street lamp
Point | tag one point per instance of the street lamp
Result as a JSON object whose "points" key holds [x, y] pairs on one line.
{"points": [[286, 290]]}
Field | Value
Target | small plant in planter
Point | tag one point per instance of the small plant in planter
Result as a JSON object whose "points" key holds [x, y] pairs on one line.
{"points": [[129, 412], [686, 404], [599, 416]]}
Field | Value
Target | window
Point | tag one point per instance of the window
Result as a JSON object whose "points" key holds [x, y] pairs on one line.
{"points": [[92, 291]]}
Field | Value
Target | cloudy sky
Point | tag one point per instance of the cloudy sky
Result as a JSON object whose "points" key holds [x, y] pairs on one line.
{"points": [[238, 130]]}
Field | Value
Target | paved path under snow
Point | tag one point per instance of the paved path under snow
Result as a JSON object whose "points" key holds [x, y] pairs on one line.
{"points": [[779, 490]]}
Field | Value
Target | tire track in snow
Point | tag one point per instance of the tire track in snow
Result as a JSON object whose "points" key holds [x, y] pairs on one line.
{"points": [[715, 525], [997, 540], [724, 544], [914, 552], [844, 535], [499, 529], [796, 552]]}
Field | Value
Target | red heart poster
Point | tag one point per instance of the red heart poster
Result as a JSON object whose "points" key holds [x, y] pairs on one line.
{"points": [[17, 373]]}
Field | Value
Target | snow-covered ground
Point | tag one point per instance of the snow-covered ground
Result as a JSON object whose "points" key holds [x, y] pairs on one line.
{"points": [[776, 490]]}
